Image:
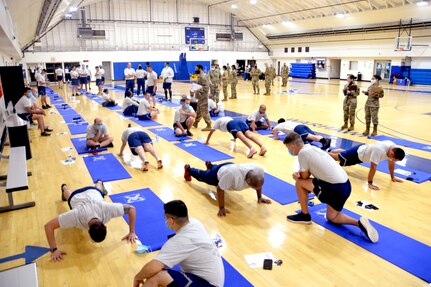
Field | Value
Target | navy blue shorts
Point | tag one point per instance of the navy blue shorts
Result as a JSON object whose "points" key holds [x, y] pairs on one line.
{"points": [[75, 82], [99, 82], [183, 279], [25, 117], [89, 79], [150, 90], [349, 156], [333, 194], [183, 124], [167, 86], [83, 80], [236, 126], [303, 131], [103, 78], [258, 123], [59, 78], [213, 113], [41, 90], [144, 117], [137, 139]]}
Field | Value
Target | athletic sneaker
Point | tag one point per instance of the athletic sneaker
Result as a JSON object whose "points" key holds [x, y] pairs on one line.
{"points": [[44, 107], [326, 143], [159, 164], [251, 153], [146, 164], [189, 133], [262, 151], [187, 175], [45, 134], [104, 191], [62, 192], [301, 218], [48, 130], [110, 145], [368, 229], [48, 106]]}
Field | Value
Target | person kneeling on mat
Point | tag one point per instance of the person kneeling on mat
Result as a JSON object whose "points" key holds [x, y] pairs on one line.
{"points": [[130, 105], [330, 184], [88, 211], [145, 110], [374, 153], [184, 118], [107, 101], [139, 143], [212, 108], [229, 176], [238, 129], [97, 135], [191, 247], [304, 131]]}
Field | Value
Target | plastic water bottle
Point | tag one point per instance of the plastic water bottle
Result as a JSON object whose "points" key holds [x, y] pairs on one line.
{"points": [[69, 156], [221, 109]]}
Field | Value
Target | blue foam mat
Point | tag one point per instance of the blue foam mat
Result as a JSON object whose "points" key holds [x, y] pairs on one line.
{"points": [[114, 108], [167, 134], [56, 100], [76, 129], [402, 142], [66, 111], [150, 226], [202, 151], [81, 146], [403, 251], [145, 123], [264, 132], [404, 172], [105, 167], [69, 119], [280, 190]]}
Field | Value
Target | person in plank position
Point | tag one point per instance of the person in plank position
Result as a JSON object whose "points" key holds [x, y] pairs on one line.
{"points": [[240, 130], [88, 211], [374, 153], [329, 183], [229, 176]]}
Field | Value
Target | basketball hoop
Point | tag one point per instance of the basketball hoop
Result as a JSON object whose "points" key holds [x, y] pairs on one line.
{"points": [[403, 44]]}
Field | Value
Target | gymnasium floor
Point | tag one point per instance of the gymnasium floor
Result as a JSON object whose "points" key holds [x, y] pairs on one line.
{"points": [[311, 254]]}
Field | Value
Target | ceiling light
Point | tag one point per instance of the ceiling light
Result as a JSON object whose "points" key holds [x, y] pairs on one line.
{"points": [[68, 15], [234, 6], [422, 3], [73, 9], [267, 26], [253, 2], [340, 15]]}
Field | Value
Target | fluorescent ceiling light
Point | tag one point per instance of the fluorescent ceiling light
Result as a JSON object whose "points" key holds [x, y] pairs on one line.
{"points": [[253, 2], [340, 15], [422, 3], [234, 6], [73, 9], [68, 15]]}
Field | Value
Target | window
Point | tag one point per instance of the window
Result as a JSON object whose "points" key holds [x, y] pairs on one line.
{"points": [[353, 65], [286, 50], [299, 49], [307, 49], [292, 50]]}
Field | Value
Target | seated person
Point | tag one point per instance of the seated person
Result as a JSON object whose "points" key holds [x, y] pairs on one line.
{"points": [[212, 108], [238, 129], [193, 100], [107, 101], [229, 176], [130, 105], [145, 111], [88, 211], [184, 118], [139, 143], [97, 135], [191, 247], [24, 110], [304, 131], [34, 106], [374, 153], [258, 119]]}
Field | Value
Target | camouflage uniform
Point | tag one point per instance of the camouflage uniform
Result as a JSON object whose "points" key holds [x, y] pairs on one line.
{"points": [[202, 96], [273, 75], [225, 81], [372, 105], [268, 78], [349, 104], [215, 79], [284, 75], [233, 79], [255, 73]]}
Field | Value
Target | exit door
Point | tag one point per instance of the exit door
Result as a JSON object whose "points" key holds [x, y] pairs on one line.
{"points": [[108, 72], [383, 69]]}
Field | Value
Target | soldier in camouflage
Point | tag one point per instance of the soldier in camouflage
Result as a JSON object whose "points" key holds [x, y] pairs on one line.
{"points": [[372, 105], [225, 82], [273, 74], [233, 79], [268, 78], [255, 73], [284, 75], [215, 80], [202, 96], [351, 92]]}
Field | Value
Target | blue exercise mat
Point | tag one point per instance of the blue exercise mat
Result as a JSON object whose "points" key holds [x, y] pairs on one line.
{"points": [[402, 142], [280, 190], [144, 123], [114, 108], [405, 172], [396, 248], [167, 134], [264, 132], [56, 100], [105, 167], [76, 129], [81, 146], [73, 118], [150, 227], [203, 151], [66, 110]]}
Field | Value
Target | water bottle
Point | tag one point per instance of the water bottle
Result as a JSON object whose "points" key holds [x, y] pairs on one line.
{"points": [[69, 156], [221, 109]]}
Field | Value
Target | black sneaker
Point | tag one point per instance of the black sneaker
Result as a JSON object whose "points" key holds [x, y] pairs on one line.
{"points": [[189, 133], [48, 130], [62, 192], [326, 143], [110, 145], [44, 107], [104, 191], [366, 227], [208, 164], [45, 134], [48, 106], [301, 218]]}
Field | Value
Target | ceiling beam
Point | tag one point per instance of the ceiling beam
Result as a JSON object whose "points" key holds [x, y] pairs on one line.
{"points": [[49, 9]]}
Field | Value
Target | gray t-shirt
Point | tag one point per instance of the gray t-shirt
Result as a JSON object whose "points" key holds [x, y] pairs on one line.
{"points": [[179, 117], [92, 131], [127, 132], [232, 176], [195, 252], [375, 152]]}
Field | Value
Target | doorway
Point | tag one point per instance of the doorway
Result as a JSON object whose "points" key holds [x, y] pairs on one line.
{"points": [[108, 72], [383, 69]]}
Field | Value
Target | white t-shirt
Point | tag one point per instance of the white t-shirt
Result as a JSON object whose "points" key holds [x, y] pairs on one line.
{"points": [[92, 131], [127, 132], [140, 73], [144, 107], [129, 102], [22, 103], [168, 74], [179, 117], [151, 78], [321, 165], [232, 176], [193, 249], [129, 74], [375, 152], [59, 72], [211, 105], [98, 75], [256, 116], [74, 74], [86, 206], [40, 80], [102, 71], [84, 72], [106, 97], [33, 100], [286, 127], [221, 124], [66, 70]]}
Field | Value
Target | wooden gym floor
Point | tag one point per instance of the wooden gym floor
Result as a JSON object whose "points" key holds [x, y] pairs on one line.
{"points": [[312, 255]]}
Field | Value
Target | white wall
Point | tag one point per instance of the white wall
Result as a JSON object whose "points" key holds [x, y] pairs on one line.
{"points": [[9, 45], [365, 66], [421, 63]]}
